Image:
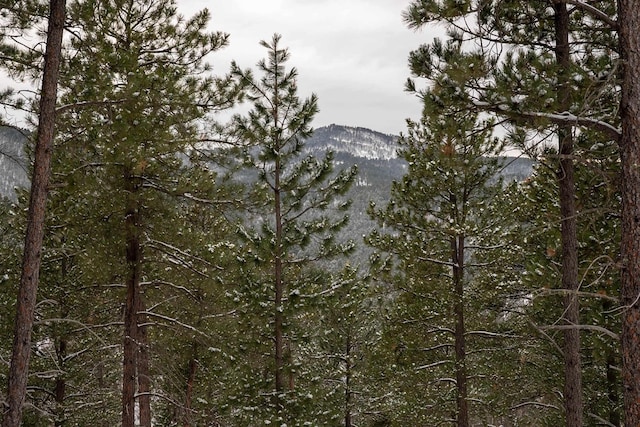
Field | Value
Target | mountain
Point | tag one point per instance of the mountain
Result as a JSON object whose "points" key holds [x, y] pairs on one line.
{"points": [[13, 162], [375, 155], [373, 152], [358, 142]]}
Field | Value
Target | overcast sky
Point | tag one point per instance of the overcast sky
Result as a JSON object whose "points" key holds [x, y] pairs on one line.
{"points": [[351, 53]]}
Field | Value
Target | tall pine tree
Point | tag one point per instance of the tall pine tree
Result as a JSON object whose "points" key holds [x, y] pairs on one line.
{"points": [[135, 90], [292, 224], [432, 225]]}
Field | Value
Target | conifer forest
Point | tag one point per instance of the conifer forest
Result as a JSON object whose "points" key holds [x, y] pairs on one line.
{"points": [[175, 253]]}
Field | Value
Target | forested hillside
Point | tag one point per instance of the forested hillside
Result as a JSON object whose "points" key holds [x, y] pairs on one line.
{"points": [[14, 166], [191, 252], [373, 153]]}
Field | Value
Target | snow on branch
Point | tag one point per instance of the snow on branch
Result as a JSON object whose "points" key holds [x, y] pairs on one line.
{"points": [[488, 334], [440, 329], [546, 291], [161, 396], [566, 117], [559, 118], [181, 256], [437, 347], [217, 315], [176, 321], [85, 104], [437, 261], [595, 12], [170, 284], [83, 326], [326, 291], [432, 365], [595, 328], [539, 404]]}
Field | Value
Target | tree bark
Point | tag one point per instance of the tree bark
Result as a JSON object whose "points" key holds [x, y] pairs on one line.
{"points": [[566, 183], [191, 379], [279, 290], [457, 258], [61, 384], [142, 368], [348, 393], [629, 22], [132, 304], [27, 292]]}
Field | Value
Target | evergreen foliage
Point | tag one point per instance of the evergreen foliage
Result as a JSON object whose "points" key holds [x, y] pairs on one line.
{"points": [[431, 225], [294, 217], [135, 90], [548, 70], [192, 284]]}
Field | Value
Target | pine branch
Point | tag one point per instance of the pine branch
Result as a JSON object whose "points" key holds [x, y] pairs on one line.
{"points": [[174, 321], [595, 12], [582, 327], [558, 118]]}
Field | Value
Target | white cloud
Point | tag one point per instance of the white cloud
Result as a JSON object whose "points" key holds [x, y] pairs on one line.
{"points": [[352, 53]]}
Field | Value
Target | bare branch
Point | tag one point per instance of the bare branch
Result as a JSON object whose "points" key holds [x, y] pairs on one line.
{"points": [[595, 12], [433, 365], [543, 405], [558, 118], [87, 104], [176, 321], [436, 261], [544, 292], [595, 328], [600, 420]]}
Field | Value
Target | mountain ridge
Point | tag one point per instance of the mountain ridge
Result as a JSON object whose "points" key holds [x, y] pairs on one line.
{"points": [[14, 164], [375, 154], [358, 141]]}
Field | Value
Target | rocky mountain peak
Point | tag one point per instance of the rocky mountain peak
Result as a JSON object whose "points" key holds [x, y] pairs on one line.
{"points": [[356, 141]]}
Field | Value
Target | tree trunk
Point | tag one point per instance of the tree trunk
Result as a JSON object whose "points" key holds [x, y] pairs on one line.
{"points": [[347, 383], [457, 258], [566, 182], [629, 22], [27, 292], [288, 360], [61, 384], [279, 290], [612, 388], [142, 368], [191, 379], [132, 304]]}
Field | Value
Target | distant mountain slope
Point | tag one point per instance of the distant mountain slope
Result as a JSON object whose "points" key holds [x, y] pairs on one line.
{"points": [[376, 155], [359, 142], [378, 166], [13, 162], [373, 152]]}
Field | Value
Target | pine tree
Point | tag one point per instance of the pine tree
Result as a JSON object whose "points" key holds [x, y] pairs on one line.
{"points": [[27, 291], [535, 86], [628, 20], [347, 339], [539, 290], [135, 90], [435, 216], [291, 225]]}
